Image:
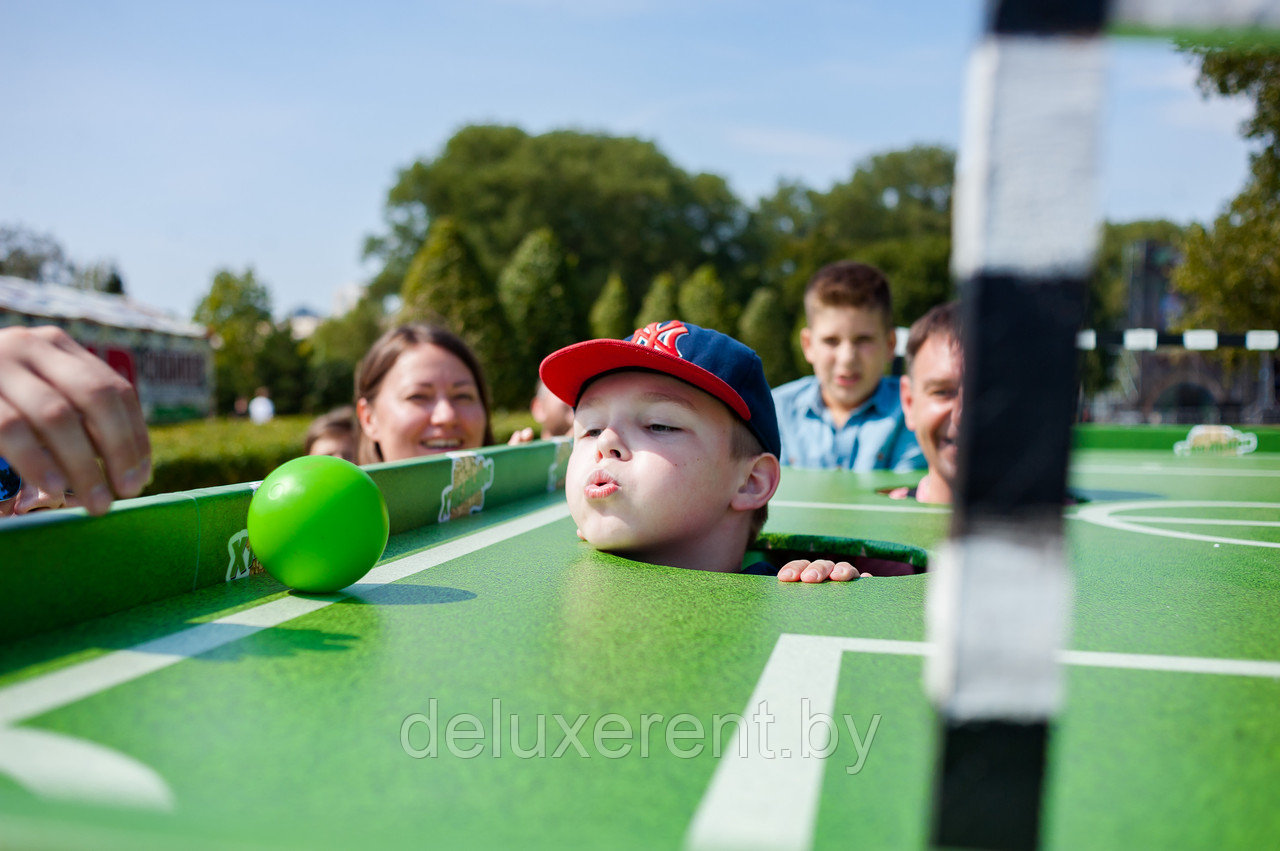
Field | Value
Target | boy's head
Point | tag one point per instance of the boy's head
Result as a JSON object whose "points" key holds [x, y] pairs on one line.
{"points": [[932, 395], [676, 444], [849, 336]]}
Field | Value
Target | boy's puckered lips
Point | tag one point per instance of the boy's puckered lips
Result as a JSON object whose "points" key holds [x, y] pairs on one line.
{"points": [[600, 484], [713, 362]]}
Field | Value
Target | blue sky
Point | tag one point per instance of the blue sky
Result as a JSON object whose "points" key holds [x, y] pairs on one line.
{"points": [[179, 138]]}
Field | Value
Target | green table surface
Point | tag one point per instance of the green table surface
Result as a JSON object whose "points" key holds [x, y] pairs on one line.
{"points": [[406, 710]]}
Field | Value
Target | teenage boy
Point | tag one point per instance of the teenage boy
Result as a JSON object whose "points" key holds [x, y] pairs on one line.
{"points": [[933, 399], [847, 414], [675, 448]]}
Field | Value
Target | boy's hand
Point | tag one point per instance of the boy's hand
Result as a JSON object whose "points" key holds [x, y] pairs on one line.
{"points": [[803, 570]]}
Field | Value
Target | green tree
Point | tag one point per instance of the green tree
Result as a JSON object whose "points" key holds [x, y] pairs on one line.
{"points": [[282, 368], [534, 295], [614, 204], [446, 284], [611, 314], [33, 256], [237, 310], [1231, 270], [766, 327], [703, 301], [894, 212], [336, 346], [659, 303]]}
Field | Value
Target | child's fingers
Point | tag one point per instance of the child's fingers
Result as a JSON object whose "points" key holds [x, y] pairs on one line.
{"points": [[817, 571], [843, 572], [791, 570]]}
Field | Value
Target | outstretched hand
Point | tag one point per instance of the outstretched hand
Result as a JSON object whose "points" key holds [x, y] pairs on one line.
{"points": [[62, 411]]}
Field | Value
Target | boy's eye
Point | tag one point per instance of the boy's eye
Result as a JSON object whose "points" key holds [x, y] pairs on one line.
{"points": [[660, 427]]}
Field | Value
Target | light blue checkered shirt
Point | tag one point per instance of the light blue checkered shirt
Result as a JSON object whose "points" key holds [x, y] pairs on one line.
{"points": [[875, 437]]}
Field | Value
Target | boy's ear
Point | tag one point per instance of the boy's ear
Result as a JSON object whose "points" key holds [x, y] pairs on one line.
{"points": [[806, 342], [759, 484]]}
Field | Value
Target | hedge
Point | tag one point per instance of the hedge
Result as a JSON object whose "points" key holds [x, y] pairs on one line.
{"points": [[225, 451]]}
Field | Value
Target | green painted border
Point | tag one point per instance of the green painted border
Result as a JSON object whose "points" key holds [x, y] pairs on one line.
{"points": [[152, 548], [1097, 436]]}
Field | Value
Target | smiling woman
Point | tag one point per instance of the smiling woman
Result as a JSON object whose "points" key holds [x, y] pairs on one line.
{"points": [[420, 391]]}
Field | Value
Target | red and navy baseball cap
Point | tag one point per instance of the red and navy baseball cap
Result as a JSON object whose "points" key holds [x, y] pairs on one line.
{"points": [[707, 359]]}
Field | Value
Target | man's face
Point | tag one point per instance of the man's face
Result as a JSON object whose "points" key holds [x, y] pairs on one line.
{"points": [[849, 347], [650, 476], [932, 400]]}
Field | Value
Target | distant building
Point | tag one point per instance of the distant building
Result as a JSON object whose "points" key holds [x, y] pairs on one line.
{"points": [[1162, 378], [169, 361]]}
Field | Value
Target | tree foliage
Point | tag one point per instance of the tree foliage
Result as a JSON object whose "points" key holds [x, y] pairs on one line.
{"points": [[614, 204], [446, 285], [1231, 270], [237, 310], [659, 303], [765, 327], [703, 301], [533, 292], [611, 314], [893, 212], [33, 256], [335, 348]]}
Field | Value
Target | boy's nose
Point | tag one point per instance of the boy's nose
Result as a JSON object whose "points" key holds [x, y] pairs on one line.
{"points": [[610, 444]]}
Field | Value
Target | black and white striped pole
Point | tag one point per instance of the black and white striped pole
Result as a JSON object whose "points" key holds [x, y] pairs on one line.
{"points": [[1025, 233]]}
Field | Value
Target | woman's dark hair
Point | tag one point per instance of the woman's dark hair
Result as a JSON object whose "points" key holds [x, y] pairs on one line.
{"points": [[384, 353]]}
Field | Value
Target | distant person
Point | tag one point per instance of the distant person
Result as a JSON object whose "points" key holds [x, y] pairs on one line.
{"points": [[241, 407], [933, 399], [846, 415], [554, 417], [333, 434], [261, 408], [65, 417], [675, 450], [420, 391]]}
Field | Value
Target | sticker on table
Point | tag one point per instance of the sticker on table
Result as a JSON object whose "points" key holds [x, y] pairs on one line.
{"points": [[242, 563], [1216, 440], [472, 476]]}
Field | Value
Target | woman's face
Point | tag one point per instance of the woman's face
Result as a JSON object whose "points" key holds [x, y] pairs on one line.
{"points": [[428, 403]]}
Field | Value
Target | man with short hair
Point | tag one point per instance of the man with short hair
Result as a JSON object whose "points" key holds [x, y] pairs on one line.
{"points": [[933, 399]]}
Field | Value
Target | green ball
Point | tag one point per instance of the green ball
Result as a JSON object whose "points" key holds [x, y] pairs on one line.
{"points": [[318, 523]]}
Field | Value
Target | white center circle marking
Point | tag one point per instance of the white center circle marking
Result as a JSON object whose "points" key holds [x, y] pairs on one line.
{"points": [[1103, 514]]}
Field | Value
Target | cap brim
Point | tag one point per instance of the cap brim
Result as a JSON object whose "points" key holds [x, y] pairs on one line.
{"points": [[564, 372]]}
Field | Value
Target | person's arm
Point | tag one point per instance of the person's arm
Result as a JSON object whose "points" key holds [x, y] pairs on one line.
{"points": [[62, 410]]}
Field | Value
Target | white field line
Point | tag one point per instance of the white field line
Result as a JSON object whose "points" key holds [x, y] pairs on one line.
{"points": [[45, 693], [909, 508], [1105, 514], [1156, 469], [765, 791], [1198, 521]]}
